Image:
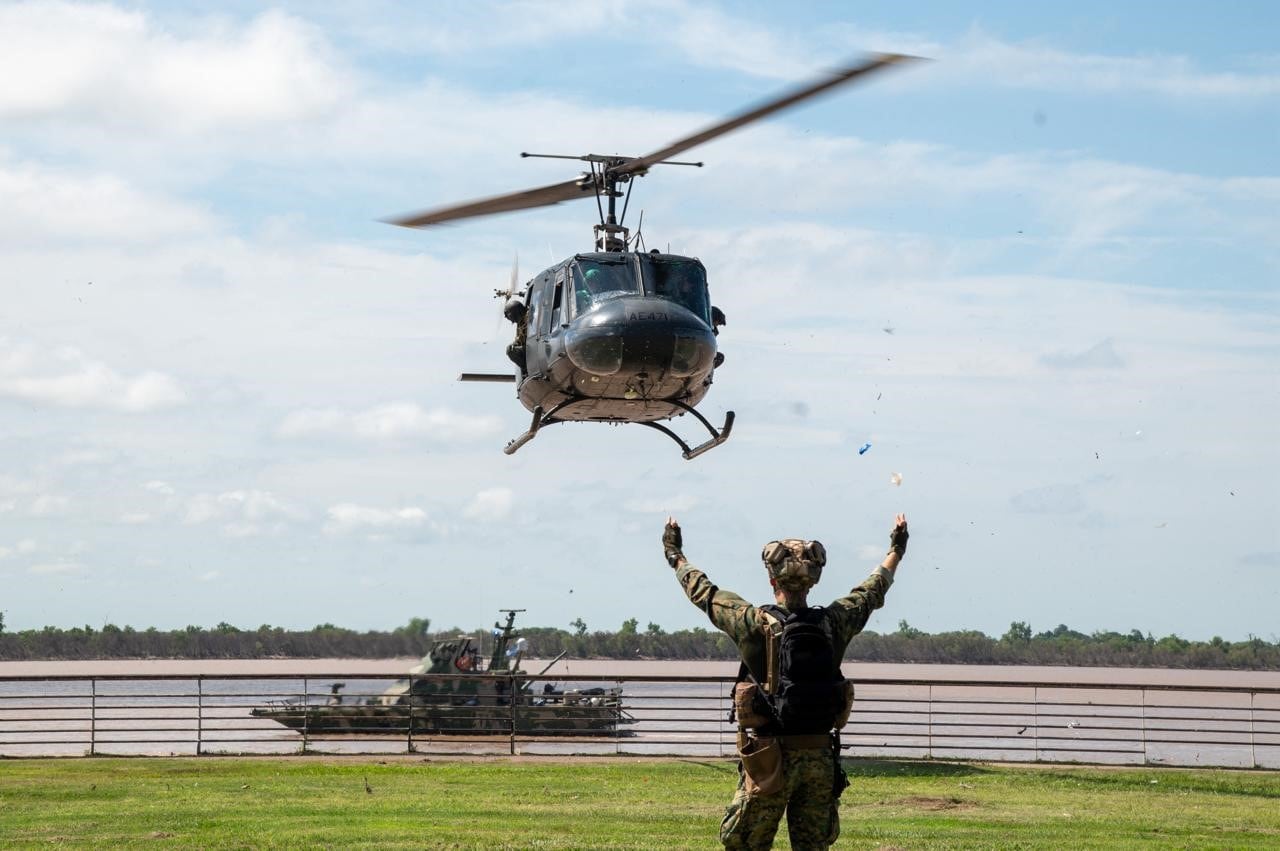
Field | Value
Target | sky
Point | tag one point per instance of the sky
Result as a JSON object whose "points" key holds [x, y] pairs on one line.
{"points": [[1038, 274]]}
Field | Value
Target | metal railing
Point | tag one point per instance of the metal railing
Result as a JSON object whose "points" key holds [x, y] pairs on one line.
{"points": [[282, 713]]}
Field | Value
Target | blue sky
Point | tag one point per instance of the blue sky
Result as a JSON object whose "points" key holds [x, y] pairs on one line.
{"points": [[227, 391]]}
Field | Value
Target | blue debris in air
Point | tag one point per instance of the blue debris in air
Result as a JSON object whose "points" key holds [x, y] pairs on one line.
{"points": [[863, 450]]}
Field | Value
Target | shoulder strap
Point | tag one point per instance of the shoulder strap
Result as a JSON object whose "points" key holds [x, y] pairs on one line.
{"points": [[771, 613], [828, 629], [771, 625]]}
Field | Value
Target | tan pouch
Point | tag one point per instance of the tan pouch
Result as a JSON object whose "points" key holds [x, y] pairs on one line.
{"points": [[744, 706], [762, 766], [846, 707]]}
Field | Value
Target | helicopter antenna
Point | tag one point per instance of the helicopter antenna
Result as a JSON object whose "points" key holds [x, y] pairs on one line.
{"points": [[638, 239]]}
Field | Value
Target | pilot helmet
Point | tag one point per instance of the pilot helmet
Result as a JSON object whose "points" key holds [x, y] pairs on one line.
{"points": [[794, 564]]}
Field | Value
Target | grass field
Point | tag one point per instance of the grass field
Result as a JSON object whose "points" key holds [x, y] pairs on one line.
{"points": [[416, 802]]}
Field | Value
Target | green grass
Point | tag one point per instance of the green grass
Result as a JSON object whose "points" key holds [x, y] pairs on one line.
{"points": [[299, 802]]}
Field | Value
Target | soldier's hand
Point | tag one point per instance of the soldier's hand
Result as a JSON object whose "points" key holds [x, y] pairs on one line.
{"points": [[672, 542], [898, 536]]}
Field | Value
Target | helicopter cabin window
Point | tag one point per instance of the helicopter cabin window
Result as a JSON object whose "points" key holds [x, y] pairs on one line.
{"points": [[595, 280], [554, 315], [679, 279], [538, 305]]}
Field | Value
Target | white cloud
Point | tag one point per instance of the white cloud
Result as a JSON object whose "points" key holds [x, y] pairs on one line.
{"points": [[387, 422], [209, 576], [84, 457], [785, 435], [67, 378], [40, 203], [711, 37], [159, 487], [47, 505], [700, 33], [124, 68], [450, 30], [1050, 499], [23, 547], [47, 568], [662, 505], [490, 505], [870, 552], [1032, 65], [348, 517], [136, 518], [1101, 355], [242, 512]]}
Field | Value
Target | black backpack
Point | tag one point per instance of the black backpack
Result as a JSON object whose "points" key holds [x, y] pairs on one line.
{"points": [[810, 689]]}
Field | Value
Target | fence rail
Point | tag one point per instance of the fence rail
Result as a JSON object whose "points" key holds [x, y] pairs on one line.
{"points": [[1122, 723]]}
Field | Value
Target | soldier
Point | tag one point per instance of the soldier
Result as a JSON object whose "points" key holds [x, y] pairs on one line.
{"points": [[791, 699], [517, 312]]}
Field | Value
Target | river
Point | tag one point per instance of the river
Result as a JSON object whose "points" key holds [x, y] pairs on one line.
{"points": [[1016, 713]]}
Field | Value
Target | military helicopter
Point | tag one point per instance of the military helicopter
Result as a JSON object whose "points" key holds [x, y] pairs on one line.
{"points": [[619, 334]]}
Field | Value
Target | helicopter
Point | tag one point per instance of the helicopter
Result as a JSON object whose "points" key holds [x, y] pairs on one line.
{"points": [[619, 334]]}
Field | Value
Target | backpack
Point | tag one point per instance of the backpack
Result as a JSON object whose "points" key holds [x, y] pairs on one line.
{"points": [[804, 691]]}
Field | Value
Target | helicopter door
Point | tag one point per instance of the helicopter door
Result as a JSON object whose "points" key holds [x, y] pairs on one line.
{"points": [[537, 296], [552, 312], [556, 316]]}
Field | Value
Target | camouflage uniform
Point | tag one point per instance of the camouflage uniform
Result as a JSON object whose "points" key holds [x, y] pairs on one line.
{"points": [[752, 820]]}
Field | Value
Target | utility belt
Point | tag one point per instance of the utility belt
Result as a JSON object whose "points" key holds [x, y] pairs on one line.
{"points": [[809, 742], [750, 710], [761, 755]]}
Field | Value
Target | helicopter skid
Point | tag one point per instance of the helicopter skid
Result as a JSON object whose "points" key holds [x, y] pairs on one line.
{"points": [[541, 418], [520, 440], [717, 437]]}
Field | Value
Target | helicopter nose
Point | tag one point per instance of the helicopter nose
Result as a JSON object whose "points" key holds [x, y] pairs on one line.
{"points": [[640, 334]]}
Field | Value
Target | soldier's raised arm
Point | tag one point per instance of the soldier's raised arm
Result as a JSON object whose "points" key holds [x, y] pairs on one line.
{"points": [[726, 610], [849, 614]]}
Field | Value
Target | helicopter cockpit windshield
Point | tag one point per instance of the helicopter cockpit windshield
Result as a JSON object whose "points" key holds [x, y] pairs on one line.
{"points": [[680, 279], [595, 280]]}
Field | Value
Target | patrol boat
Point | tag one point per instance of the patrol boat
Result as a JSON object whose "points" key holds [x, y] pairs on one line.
{"points": [[455, 691]]}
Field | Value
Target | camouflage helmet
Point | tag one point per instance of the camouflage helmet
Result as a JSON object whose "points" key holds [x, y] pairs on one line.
{"points": [[794, 564]]}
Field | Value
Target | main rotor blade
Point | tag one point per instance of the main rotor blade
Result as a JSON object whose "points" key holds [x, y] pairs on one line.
{"points": [[543, 196], [877, 61]]}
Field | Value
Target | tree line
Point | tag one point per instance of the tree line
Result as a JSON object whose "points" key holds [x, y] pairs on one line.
{"points": [[1018, 646]]}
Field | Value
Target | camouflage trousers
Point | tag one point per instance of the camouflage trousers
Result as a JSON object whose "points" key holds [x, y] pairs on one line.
{"points": [[807, 797]]}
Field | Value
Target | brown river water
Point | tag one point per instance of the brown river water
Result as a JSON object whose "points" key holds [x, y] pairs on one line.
{"points": [[632, 668], [1012, 713]]}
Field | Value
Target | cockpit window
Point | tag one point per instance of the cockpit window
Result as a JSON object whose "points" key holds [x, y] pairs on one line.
{"points": [[680, 279], [594, 281]]}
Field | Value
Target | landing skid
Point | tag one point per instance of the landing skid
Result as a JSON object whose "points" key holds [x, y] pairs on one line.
{"points": [[541, 418]]}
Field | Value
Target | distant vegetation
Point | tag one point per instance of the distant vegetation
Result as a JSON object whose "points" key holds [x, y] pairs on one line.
{"points": [[1019, 646]]}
